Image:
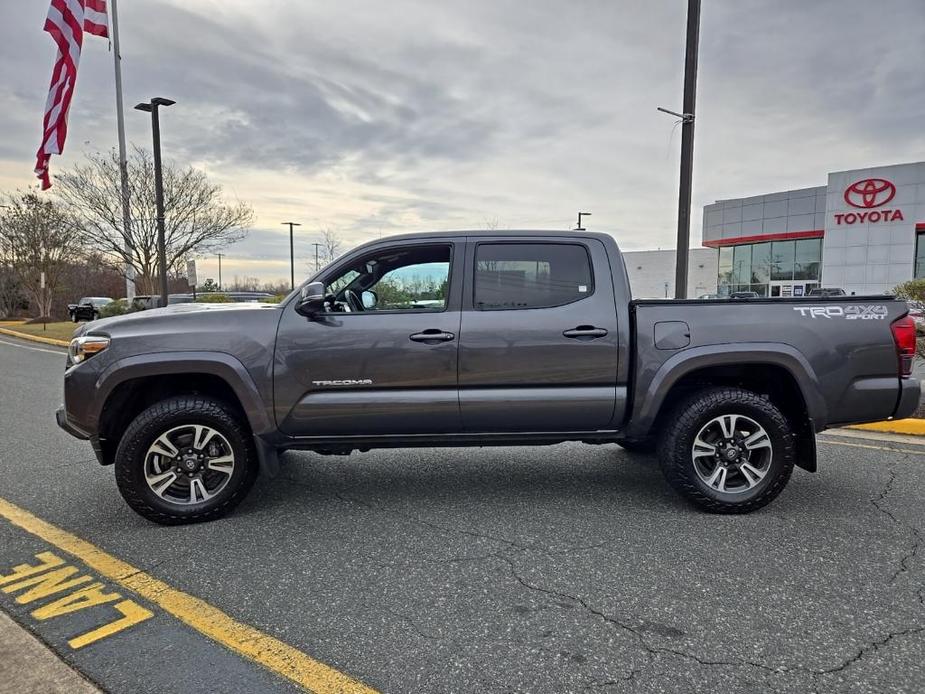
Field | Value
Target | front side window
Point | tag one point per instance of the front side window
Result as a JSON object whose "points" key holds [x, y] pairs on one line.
{"points": [[396, 279], [531, 275]]}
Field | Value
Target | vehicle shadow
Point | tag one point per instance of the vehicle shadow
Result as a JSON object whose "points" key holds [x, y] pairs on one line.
{"points": [[571, 473]]}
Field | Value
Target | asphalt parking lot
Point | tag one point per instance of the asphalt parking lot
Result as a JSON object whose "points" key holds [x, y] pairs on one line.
{"points": [[561, 569]]}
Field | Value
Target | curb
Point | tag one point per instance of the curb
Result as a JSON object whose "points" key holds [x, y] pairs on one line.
{"points": [[911, 426], [34, 338]]}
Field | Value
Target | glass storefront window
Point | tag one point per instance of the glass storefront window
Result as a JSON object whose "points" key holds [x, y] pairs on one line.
{"points": [[919, 255], [725, 266], [808, 257], [761, 261], [779, 268], [742, 264], [782, 260]]}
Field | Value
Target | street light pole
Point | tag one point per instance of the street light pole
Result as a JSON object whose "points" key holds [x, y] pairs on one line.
{"points": [[578, 227], [316, 245], [291, 255], [219, 270], [152, 108]]}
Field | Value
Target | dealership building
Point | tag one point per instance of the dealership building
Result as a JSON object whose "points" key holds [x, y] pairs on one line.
{"points": [[862, 232]]}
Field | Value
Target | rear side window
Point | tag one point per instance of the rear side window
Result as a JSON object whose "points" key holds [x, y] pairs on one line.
{"points": [[531, 275]]}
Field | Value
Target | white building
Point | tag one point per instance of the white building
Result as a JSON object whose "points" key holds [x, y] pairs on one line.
{"points": [[651, 273], [862, 232]]}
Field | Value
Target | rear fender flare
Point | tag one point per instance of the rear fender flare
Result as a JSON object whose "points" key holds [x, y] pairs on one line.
{"points": [[649, 404]]}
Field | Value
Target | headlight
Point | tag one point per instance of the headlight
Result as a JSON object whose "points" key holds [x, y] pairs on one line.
{"points": [[82, 348]]}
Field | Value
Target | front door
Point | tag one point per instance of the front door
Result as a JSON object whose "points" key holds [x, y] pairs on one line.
{"points": [[538, 345], [382, 358]]}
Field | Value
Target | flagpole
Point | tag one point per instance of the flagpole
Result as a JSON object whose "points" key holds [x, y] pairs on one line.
{"points": [[123, 162]]}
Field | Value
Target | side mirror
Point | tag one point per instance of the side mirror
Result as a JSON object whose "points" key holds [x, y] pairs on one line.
{"points": [[311, 301], [369, 299]]}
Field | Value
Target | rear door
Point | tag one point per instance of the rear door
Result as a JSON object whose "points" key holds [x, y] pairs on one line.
{"points": [[538, 341], [383, 358]]}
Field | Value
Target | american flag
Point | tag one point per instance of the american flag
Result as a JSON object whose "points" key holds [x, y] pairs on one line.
{"points": [[67, 22]]}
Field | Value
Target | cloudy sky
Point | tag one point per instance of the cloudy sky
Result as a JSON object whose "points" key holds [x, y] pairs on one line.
{"points": [[376, 118]]}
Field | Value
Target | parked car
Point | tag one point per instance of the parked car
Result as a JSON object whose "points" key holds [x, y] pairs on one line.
{"points": [[88, 308], [744, 295], [827, 291], [527, 338]]}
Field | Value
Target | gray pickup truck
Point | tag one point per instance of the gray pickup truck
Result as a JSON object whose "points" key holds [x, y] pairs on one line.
{"points": [[480, 339]]}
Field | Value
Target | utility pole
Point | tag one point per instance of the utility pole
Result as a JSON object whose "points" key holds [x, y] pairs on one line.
{"points": [[578, 226], [152, 108], [687, 147], [291, 255], [219, 270], [316, 245]]}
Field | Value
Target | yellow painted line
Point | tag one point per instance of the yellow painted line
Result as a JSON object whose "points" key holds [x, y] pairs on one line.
{"points": [[912, 426], [245, 640], [34, 338]]}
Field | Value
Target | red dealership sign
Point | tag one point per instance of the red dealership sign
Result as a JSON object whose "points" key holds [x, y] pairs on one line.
{"points": [[866, 194]]}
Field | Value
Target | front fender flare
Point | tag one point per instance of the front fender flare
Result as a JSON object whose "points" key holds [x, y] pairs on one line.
{"points": [[225, 366]]}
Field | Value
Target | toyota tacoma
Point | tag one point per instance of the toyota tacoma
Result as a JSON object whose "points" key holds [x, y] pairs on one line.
{"points": [[480, 339]]}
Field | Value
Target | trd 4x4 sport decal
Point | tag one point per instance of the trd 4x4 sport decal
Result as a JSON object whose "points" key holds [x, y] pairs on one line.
{"points": [[854, 312]]}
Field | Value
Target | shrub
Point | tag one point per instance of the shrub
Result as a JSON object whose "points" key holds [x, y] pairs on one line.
{"points": [[913, 290], [214, 299], [119, 307]]}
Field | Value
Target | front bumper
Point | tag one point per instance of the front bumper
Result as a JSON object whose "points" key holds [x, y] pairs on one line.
{"points": [[61, 417], [909, 394]]}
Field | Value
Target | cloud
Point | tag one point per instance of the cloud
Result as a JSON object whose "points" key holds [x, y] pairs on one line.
{"points": [[373, 118]]}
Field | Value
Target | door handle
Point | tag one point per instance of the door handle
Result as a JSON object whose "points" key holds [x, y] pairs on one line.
{"points": [[584, 332], [432, 336]]}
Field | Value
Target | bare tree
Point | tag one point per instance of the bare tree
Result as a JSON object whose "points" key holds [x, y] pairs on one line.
{"points": [[197, 219], [330, 244], [38, 236]]}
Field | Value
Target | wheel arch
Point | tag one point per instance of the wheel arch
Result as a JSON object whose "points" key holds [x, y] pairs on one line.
{"points": [[130, 385], [777, 371]]}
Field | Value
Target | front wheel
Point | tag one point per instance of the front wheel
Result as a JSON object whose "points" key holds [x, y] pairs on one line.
{"points": [[728, 450], [187, 459]]}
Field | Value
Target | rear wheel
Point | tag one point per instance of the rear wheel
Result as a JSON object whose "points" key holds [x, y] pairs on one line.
{"points": [[184, 460], [728, 450]]}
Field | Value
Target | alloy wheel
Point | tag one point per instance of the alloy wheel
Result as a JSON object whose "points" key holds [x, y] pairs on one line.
{"points": [[732, 453], [189, 464]]}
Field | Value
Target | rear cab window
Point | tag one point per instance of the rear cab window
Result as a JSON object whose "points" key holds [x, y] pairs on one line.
{"points": [[513, 276]]}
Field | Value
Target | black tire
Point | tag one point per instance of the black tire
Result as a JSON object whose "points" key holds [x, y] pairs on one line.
{"points": [[692, 415], [642, 446], [163, 417]]}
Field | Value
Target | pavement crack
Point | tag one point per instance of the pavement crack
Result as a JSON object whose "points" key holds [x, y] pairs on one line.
{"points": [[881, 497], [879, 503], [871, 647], [651, 650]]}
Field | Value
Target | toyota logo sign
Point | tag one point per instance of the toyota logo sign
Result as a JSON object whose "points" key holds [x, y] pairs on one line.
{"points": [[869, 192]]}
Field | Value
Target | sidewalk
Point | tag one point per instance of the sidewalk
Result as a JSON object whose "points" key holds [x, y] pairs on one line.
{"points": [[27, 666]]}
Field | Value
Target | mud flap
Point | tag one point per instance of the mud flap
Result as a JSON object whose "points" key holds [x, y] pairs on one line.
{"points": [[267, 457], [806, 446]]}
